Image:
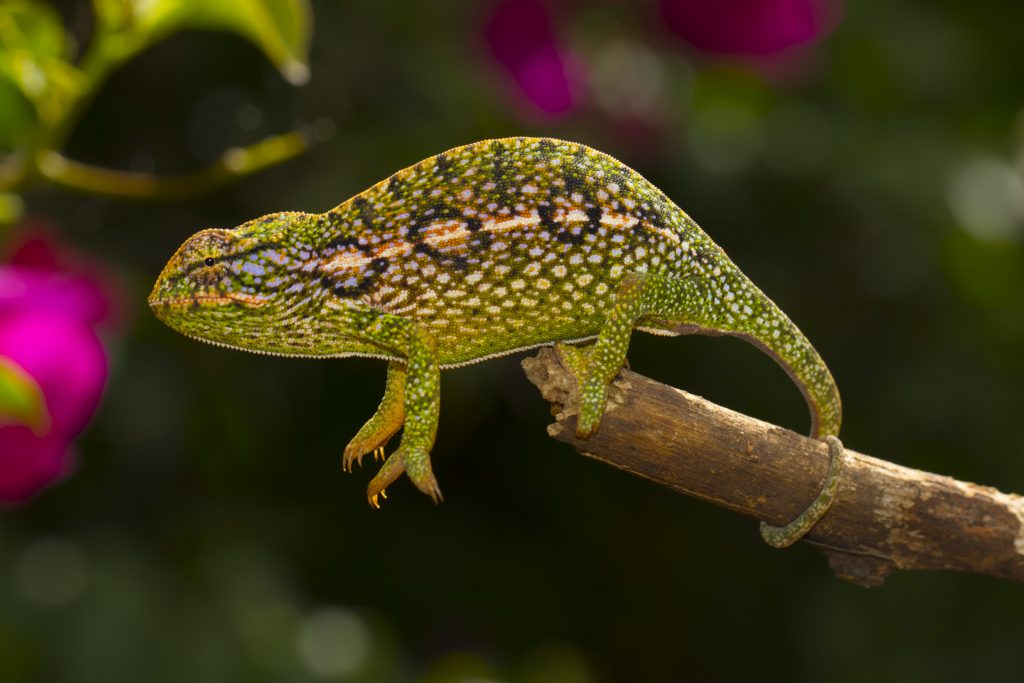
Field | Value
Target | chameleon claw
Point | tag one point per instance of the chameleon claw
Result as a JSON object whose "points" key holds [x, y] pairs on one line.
{"points": [[354, 453], [374, 502]]}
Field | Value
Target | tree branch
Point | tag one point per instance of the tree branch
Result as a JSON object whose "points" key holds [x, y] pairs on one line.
{"points": [[885, 516]]}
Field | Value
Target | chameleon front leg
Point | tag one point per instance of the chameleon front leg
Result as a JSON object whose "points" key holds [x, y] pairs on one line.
{"points": [[385, 422], [421, 404]]}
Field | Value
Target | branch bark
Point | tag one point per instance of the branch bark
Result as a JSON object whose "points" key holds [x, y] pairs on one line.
{"points": [[885, 516]]}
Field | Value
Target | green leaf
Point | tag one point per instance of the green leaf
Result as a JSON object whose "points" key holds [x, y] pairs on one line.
{"points": [[21, 399], [34, 53], [281, 28], [32, 26]]}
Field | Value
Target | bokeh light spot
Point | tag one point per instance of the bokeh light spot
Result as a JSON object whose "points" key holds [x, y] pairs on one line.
{"points": [[334, 642], [986, 196]]}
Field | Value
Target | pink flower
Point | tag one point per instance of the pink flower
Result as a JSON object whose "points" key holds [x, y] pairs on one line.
{"points": [[48, 313], [748, 27], [521, 37]]}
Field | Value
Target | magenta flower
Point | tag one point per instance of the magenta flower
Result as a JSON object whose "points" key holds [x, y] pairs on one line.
{"points": [[757, 28], [48, 348], [521, 37]]}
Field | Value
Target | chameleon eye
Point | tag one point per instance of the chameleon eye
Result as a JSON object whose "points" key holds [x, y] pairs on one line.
{"points": [[210, 261]]}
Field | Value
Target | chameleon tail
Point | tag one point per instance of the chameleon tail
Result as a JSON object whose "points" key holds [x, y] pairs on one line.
{"points": [[768, 328], [773, 332]]}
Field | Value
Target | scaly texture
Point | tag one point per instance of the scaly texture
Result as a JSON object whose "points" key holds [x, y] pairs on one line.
{"points": [[478, 252]]}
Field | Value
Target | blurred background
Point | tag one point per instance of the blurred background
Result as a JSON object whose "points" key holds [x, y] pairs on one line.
{"points": [[178, 512]]}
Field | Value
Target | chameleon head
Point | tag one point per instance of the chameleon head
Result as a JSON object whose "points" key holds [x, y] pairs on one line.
{"points": [[242, 287]]}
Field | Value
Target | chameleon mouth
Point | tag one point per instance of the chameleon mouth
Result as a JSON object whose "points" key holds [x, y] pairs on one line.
{"points": [[248, 300]]}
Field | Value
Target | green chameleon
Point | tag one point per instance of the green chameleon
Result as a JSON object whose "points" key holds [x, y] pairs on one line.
{"points": [[478, 252]]}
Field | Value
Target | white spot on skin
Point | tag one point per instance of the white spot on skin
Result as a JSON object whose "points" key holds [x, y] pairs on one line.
{"points": [[395, 249], [346, 260]]}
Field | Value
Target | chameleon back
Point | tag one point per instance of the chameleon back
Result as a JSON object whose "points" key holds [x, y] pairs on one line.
{"points": [[507, 244]]}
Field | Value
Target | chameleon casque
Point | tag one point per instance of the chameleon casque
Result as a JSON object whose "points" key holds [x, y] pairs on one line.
{"points": [[481, 251]]}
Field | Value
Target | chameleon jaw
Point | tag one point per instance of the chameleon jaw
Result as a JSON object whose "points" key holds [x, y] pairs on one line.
{"points": [[248, 300]]}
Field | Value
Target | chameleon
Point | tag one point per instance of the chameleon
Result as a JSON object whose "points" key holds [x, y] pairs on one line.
{"points": [[481, 251]]}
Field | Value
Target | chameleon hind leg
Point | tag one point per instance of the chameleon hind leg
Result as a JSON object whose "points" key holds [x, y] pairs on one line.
{"points": [[671, 302], [388, 419], [596, 366]]}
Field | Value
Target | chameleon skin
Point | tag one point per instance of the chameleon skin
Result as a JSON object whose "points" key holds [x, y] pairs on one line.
{"points": [[480, 251]]}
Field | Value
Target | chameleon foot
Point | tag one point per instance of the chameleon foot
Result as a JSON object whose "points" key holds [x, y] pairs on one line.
{"points": [[592, 391], [593, 398], [368, 440], [784, 536], [388, 419], [415, 463]]}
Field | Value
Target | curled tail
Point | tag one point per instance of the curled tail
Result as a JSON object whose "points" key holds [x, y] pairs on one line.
{"points": [[772, 331]]}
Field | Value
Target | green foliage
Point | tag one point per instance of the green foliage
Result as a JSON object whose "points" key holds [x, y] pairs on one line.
{"points": [[35, 59], [43, 90], [281, 28]]}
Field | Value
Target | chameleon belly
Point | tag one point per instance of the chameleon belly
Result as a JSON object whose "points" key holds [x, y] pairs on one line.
{"points": [[477, 252]]}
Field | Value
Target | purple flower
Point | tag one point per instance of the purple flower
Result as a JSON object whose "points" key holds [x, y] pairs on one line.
{"points": [[521, 38], [758, 28], [48, 314]]}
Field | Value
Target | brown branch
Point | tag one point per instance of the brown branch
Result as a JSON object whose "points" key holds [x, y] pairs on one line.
{"points": [[885, 516]]}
